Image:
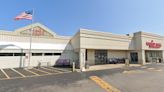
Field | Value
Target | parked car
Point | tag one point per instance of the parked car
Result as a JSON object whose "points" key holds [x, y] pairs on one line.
{"points": [[63, 62], [116, 60]]}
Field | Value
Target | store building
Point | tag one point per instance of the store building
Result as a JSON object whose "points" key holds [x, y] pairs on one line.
{"points": [[85, 47], [47, 47], [99, 47]]}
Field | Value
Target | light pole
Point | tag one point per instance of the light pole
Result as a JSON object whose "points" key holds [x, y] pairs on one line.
{"points": [[31, 31]]}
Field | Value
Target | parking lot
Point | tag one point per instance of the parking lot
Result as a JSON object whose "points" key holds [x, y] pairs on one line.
{"points": [[14, 73], [147, 78]]}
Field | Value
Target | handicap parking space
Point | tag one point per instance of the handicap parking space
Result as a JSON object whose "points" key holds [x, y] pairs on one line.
{"points": [[13, 73]]}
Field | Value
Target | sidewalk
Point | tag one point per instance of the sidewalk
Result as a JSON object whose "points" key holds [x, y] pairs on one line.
{"points": [[109, 66]]}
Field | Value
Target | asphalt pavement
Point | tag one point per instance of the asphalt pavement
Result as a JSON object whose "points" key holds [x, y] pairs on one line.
{"points": [[148, 78]]}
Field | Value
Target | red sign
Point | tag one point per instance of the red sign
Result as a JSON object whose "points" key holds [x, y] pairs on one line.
{"points": [[38, 32], [153, 44]]}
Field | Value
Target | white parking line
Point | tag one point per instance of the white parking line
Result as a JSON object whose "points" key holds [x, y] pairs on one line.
{"points": [[32, 72], [5, 74], [41, 71], [51, 69], [18, 72], [150, 68], [58, 69], [144, 67], [159, 70]]}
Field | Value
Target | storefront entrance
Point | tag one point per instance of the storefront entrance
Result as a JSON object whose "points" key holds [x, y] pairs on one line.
{"points": [[153, 56], [134, 57], [100, 57]]}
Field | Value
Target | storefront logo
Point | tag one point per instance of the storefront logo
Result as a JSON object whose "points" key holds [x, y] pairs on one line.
{"points": [[153, 44], [37, 32]]}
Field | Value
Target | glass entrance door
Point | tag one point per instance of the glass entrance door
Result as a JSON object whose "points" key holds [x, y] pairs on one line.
{"points": [[134, 57], [100, 57]]}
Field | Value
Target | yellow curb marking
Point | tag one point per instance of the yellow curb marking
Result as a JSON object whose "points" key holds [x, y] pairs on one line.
{"points": [[51, 70], [32, 72], [104, 84], [17, 72], [41, 71], [7, 77]]}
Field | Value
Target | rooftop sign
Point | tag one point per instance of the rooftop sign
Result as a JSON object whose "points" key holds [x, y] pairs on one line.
{"points": [[153, 44]]}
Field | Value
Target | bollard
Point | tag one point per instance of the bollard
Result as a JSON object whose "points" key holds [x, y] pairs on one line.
{"points": [[73, 67]]}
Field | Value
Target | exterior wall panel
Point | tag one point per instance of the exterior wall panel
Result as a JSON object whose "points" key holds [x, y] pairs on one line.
{"points": [[93, 43], [91, 57], [10, 62], [117, 54], [98, 40], [75, 42]]}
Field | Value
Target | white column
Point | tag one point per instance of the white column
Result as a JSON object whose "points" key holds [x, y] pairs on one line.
{"points": [[141, 57], [82, 59], [162, 55], [128, 56]]}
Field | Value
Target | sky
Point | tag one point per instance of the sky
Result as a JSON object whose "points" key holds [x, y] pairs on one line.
{"points": [[66, 17]]}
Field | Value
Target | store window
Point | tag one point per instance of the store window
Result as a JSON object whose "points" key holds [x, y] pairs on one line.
{"points": [[151, 55], [157, 54], [6, 54], [100, 57], [19, 54], [48, 54], [57, 54], [36, 54]]}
